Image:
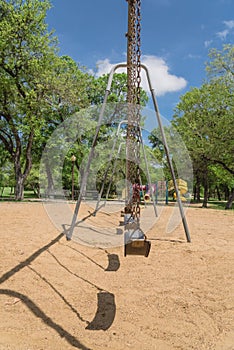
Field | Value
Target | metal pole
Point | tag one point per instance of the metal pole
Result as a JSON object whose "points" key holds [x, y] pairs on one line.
{"points": [[73, 159], [73, 181]]}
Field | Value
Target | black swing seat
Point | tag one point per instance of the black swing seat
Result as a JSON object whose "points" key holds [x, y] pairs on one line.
{"points": [[135, 242]]}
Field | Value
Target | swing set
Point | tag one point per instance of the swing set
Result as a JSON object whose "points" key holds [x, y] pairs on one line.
{"points": [[135, 240]]}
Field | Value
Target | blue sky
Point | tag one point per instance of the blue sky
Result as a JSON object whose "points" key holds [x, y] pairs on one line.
{"points": [[176, 38]]}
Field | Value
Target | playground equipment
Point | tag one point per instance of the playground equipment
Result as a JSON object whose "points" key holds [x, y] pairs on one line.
{"points": [[147, 190], [135, 241], [159, 191], [182, 187]]}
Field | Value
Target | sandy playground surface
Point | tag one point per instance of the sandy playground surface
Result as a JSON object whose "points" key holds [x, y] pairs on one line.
{"points": [[57, 294]]}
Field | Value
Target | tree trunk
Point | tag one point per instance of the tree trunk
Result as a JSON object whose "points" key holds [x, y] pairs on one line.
{"points": [[2, 190], [197, 197], [19, 188], [198, 193], [50, 183], [226, 192], [230, 200], [194, 192], [205, 200], [36, 190], [218, 193], [21, 176], [19, 182], [206, 189]]}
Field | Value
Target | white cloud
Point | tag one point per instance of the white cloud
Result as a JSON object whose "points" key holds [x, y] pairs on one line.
{"points": [[222, 35], [207, 43], [229, 24], [103, 67], [162, 80]]}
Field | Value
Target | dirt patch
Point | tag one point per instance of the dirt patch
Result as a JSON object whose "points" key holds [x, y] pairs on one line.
{"points": [[57, 294]]}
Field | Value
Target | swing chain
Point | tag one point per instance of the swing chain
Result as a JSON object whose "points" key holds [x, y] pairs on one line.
{"points": [[138, 97], [134, 116], [138, 49]]}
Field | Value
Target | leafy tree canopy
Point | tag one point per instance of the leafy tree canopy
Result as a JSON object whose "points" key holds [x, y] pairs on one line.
{"points": [[205, 116]]}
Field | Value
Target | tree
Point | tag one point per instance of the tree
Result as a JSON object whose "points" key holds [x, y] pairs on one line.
{"points": [[69, 93], [38, 89], [221, 63], [204, 117], [5, 170], [27, 51]]}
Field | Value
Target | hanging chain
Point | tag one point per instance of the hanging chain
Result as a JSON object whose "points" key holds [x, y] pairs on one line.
{"points": [[133, 131], [134, 51], [138, 98], [138, 51]]}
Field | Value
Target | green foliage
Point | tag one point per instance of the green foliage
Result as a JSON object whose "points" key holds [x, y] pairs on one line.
{"points": [[118, 91], [204, 118], [27, 52], [38, 89], [221, 62]]}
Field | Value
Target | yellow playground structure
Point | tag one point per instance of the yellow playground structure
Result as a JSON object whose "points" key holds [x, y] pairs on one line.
{"points": [[182, 187]]}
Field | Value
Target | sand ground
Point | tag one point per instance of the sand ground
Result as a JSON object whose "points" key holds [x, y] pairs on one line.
{"points": [[57, 294]]}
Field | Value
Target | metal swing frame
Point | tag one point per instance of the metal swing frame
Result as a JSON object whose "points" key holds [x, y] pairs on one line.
{"points": [[94, 143]]}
